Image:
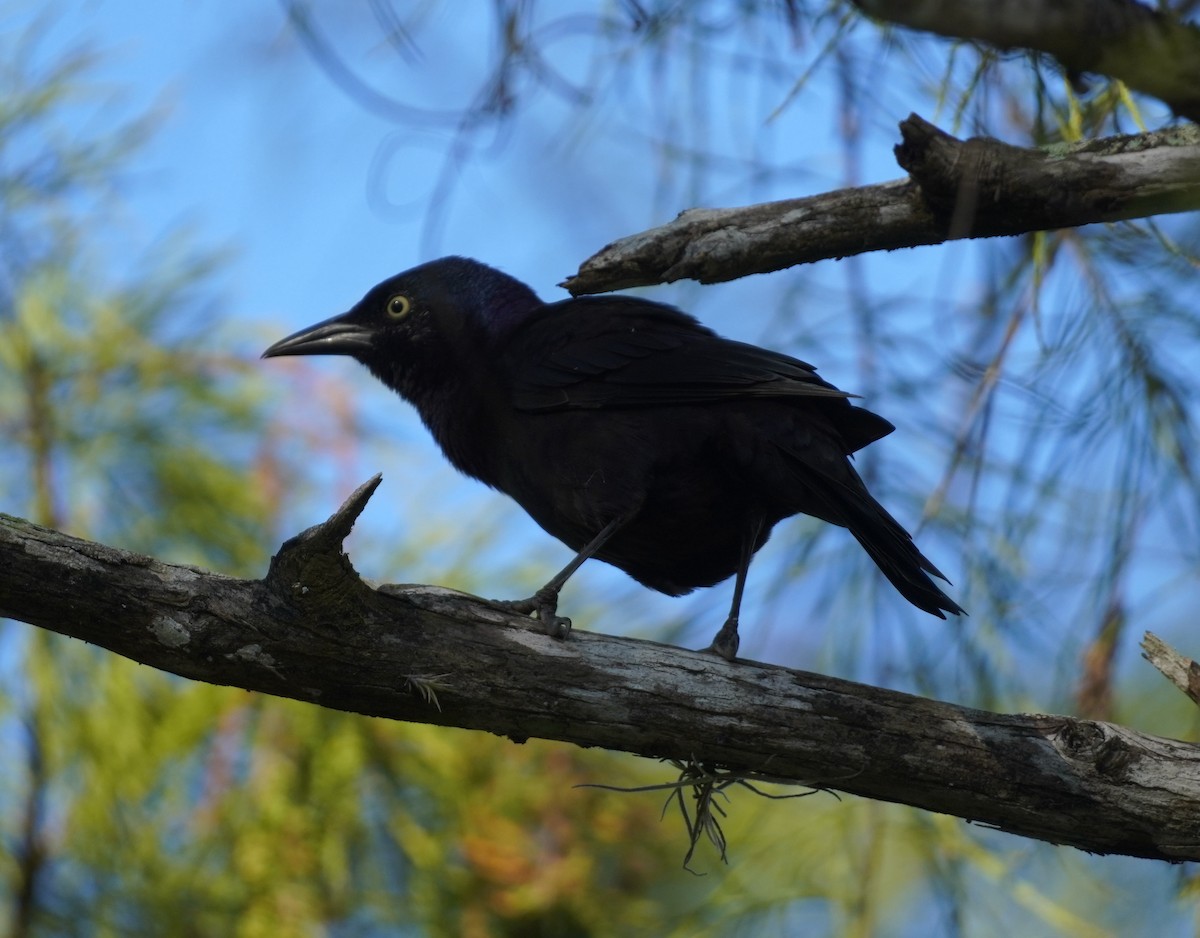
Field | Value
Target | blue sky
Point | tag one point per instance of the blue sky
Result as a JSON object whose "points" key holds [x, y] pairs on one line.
{"points": [[259, 150]]}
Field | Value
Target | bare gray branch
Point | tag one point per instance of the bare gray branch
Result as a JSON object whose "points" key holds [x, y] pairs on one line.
{"points": [[1181, 671], [977, 188], [312, 630]]}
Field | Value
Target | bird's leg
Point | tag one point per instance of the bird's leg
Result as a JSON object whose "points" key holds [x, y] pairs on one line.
{"points": [[545, 601], [725, 642]]}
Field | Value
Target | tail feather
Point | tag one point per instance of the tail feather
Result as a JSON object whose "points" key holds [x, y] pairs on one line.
{"points": [[907, 569], [848, 503]]}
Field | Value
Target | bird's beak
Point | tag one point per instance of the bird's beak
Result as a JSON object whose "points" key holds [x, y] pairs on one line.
{"points": [[336, 336]]}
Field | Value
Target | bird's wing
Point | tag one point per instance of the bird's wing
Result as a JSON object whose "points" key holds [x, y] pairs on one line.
{"points": [[608, 354]]}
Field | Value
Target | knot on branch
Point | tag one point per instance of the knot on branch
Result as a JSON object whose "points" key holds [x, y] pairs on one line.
{"points": [[971, 186], [312, 567], [1093, 743]]}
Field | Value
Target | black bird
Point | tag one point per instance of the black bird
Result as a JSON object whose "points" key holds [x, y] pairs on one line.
{"points": [[624, 427]]}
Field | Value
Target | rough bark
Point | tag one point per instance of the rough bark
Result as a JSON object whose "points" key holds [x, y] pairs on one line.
{"points": [[1151, 51], [977, 188], [312, 630]]}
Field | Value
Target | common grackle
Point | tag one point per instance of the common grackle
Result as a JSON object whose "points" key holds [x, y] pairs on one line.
{"points": [[624, 427]]}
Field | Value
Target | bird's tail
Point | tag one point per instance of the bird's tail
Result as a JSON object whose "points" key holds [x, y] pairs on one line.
{"points": [[847, 502], [893, 550]]}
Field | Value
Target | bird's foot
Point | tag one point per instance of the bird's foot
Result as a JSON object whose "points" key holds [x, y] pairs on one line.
{"points": [[543, 603], [725, 642]]}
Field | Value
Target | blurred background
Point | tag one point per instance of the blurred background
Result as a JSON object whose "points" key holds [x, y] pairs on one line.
{"points": [[182, 184]]}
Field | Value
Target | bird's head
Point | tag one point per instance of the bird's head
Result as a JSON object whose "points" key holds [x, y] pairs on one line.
{"points": [[420, 327]]}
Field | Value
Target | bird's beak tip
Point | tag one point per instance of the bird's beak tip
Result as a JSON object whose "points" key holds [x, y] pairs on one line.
{"points": [[333, 337]]}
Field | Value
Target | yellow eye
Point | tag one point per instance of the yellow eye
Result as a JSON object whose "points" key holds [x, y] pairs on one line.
{"points": [[399, 306]]}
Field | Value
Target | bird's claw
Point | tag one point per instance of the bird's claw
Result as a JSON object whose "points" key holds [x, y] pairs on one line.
{"points": [[725, 643], [555, 626], [544, 604]]}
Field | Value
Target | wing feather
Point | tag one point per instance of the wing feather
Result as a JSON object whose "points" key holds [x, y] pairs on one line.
{"points": [[616, 352]]}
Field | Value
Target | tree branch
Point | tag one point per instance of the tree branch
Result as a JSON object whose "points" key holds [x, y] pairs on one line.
{"points": [[313, 631], [977, 188], [1183, 672], [1151, 51]]}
